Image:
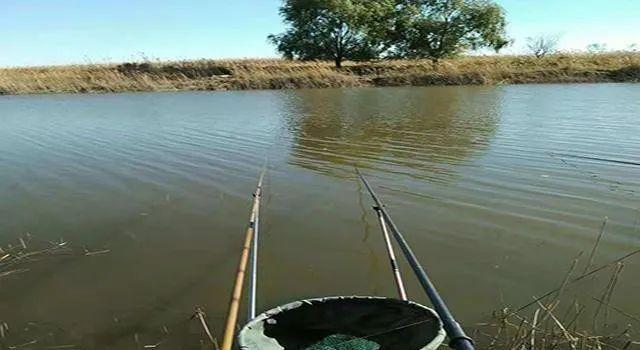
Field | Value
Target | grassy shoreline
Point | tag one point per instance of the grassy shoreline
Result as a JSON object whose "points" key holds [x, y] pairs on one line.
{"points": [[214, 75]]}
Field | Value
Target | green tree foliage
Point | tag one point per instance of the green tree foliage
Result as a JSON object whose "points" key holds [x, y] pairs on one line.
{"points": [[333, 29], [438, 29], [367, 29], [596, 48]]}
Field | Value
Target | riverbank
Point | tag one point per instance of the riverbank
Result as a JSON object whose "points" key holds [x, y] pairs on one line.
{"points": [[248, 74]]}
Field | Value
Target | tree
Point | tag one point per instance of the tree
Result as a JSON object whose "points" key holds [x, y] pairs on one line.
{"points": [[597, 48], [437, 29], [543, 45], [333, 29]]}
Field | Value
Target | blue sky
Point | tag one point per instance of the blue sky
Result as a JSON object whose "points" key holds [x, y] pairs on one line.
{"points": [[41, 32]]}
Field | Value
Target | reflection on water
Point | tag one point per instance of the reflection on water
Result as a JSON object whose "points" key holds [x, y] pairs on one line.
{"points": [[496, 188], [409, 131]]}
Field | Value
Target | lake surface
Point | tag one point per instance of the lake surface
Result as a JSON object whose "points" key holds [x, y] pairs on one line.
{"points": [[496, 188]]}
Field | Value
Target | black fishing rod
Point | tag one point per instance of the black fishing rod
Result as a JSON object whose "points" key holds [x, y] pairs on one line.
{"points": [[457, 338]]}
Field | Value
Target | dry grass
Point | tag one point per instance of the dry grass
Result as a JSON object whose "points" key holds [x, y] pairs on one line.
{"points": [[560, 325], [572, 326], [16, 257], [281, 74]]}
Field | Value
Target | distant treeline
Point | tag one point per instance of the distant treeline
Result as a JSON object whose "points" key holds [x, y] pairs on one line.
{"points": [[338, 30], [362, 30]]}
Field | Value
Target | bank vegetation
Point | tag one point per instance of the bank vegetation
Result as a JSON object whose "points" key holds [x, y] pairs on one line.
{"points": [[210, 75]]}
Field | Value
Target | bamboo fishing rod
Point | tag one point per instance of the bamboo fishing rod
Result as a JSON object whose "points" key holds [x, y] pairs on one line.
{"points": [[457, 337], [234, 305]]}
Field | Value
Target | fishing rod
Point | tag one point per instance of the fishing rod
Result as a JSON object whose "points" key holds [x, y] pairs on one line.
{"points": [[392, 256], [458, 338], [249, 242], [253, 278]]}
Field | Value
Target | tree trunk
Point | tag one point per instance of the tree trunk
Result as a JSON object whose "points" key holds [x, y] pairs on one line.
{"points": [[338, 61]]}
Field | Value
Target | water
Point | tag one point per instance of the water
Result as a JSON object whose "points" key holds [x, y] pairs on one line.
{"points": [[486, 182]]}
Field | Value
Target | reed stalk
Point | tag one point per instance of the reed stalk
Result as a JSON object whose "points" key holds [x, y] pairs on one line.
{"points": [[595, 246]]}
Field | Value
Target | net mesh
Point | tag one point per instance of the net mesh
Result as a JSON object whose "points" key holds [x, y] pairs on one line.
{"points": [[343, 342], [344, 323]]}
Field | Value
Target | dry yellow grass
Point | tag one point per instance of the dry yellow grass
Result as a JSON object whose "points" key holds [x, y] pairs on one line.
{"points": [[282, 74]]}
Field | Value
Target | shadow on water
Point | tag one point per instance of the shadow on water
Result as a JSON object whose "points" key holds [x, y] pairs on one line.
{"points": [[420, 132]]}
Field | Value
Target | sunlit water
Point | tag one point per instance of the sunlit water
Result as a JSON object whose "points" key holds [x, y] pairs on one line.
{"points": [[489, 184]]}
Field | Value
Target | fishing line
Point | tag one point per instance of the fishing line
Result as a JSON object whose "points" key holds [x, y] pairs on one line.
{"points": [[594, 177], [598, 159]]}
